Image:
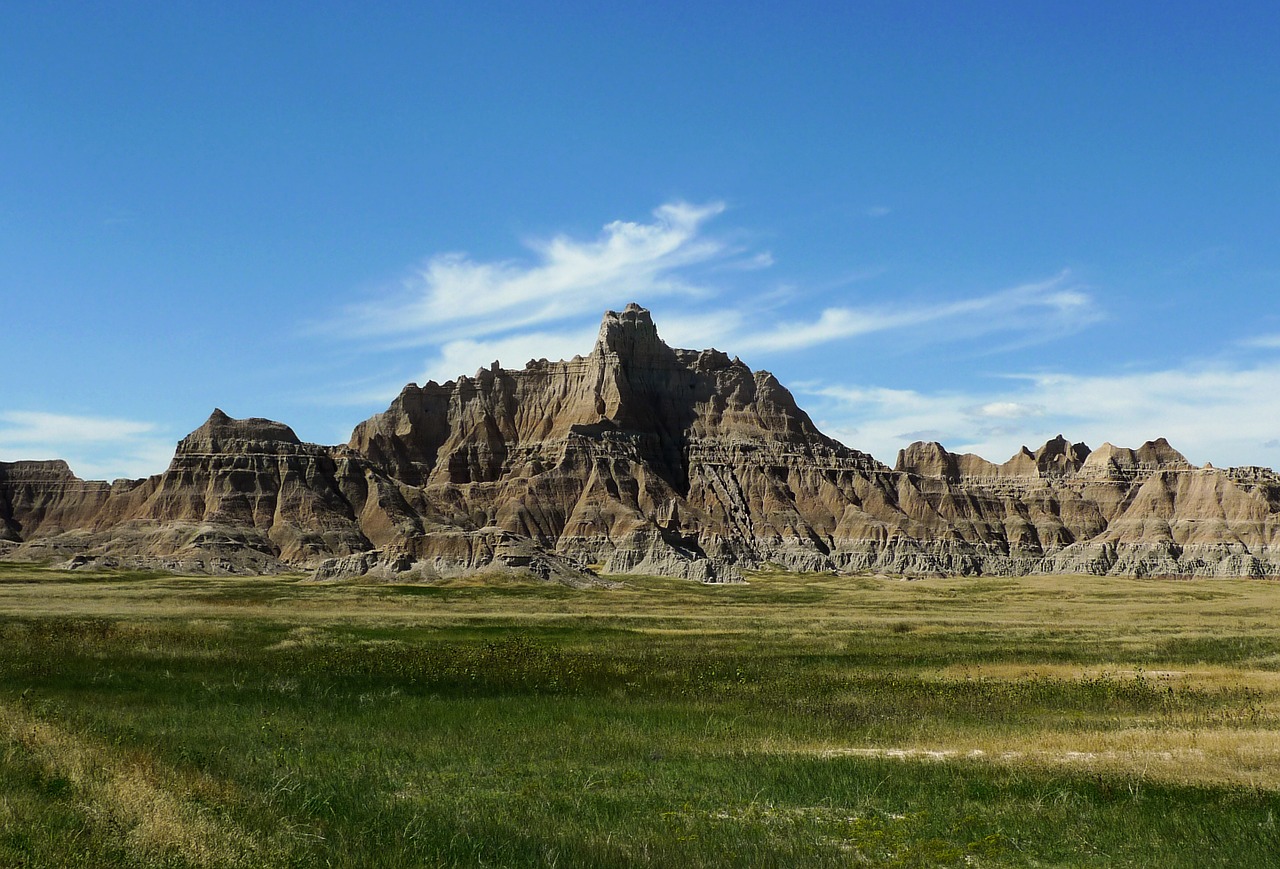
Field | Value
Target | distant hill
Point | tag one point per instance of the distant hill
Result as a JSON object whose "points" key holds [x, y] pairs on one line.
{"points": [[637, 458]]}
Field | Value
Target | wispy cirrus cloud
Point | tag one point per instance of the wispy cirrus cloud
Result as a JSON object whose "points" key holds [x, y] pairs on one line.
{"points": [[95, 447], [735, 330], [1009, 410], [469, 312], [1262, 342], [1224, 413], [466, 355], [1053, 304], [453, 296]]}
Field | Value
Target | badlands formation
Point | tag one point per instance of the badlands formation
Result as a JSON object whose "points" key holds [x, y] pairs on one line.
{"points": [[637, 458]]}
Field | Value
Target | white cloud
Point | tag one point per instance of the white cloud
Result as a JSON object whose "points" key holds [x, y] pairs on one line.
{"points": [[453, 297], [754, 262], [832, 324], [1264, 342], [467, 355], [471, 312], [1009, 410], [878, 211], [26, 427], [95, 447], [899, 400], [1223, 414], [1043, 308], [698, 331]]}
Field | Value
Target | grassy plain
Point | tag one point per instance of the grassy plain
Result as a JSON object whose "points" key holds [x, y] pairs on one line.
{"points": [[795, 721]]}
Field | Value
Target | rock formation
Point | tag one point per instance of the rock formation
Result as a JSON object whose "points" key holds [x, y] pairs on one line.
{"points": [[637, 458]]}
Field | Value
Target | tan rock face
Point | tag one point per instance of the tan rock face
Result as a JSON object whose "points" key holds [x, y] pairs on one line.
{"points": [[638, 458], [43, 498]]}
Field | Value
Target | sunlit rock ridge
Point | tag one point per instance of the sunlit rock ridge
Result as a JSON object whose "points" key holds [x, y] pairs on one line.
{"points": [[639, 459]]}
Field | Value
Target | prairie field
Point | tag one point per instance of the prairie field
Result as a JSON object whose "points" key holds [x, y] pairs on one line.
{"points": [[796, 720]]}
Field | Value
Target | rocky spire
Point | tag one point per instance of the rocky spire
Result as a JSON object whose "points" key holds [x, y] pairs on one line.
{"points": [[631, 335]]}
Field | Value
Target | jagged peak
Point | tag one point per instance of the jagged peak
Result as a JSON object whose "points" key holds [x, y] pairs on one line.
{"points": [[220, 427], [630, 334], [1155, 454], [1060, 456], [928, 459], [1055, 446], [1161, 453]]}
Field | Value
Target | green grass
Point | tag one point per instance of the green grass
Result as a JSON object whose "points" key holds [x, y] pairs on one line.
{"points": [[797, 720]]}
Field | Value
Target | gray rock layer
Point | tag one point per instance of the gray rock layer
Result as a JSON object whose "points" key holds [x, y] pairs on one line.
{"points": [[637, 458]]}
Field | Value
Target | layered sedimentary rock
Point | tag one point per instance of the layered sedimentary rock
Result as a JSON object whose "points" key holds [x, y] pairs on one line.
{"points": [[637, 458], [1118, 511], [625, 458], [239, 495]]}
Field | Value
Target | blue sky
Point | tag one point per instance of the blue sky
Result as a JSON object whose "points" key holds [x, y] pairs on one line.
{"points": [[981, 223]]}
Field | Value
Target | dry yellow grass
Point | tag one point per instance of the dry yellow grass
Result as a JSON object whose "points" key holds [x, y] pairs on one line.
{"points": [[1249, 757], [819, 611], [274, 721], [125, 797]]}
